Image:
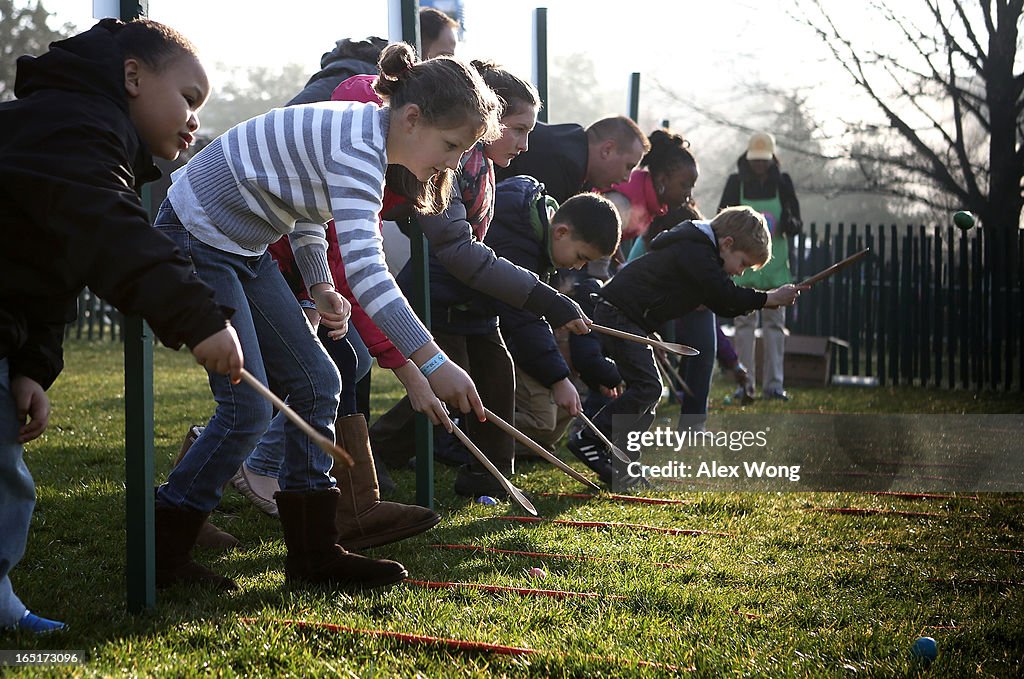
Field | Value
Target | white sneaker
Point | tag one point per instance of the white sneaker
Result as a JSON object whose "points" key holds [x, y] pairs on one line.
{"points": [[257, 488]]}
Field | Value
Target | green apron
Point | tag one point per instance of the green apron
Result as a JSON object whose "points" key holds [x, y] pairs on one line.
{"points": [[775, 272]]}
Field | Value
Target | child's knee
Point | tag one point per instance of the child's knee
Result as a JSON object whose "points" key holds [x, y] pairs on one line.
{"points": [[250, 419], [320, 387], [648, 392]]}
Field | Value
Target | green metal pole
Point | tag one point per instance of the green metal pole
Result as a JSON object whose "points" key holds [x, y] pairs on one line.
{"points": [[418, 252], [634, 97], [410, 11], [140, 544], [540, 60], [140, 561]]}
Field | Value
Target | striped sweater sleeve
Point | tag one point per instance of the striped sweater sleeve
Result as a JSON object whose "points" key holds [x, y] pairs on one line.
{"points": [[289, 172], [309, 246], [354, 173]]}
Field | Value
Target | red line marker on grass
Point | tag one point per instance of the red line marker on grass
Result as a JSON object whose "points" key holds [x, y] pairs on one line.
{"points": [[620, 498], [457, 644], [524, 591], [863, 511], [922, 496], [896, 477], [976, 581], [549, 555], [609, 524], [954, 548]]}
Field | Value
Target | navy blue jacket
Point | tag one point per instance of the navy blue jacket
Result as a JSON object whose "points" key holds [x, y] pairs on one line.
{"points": [[519, 232], [682, 271], [557, 158], [595, 369], [348, 58]]}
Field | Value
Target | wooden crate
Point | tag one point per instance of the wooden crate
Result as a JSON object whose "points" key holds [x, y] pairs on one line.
{"points": [[808, 359]]}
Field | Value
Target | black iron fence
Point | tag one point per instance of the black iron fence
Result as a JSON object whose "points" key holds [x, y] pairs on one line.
{"points": [[921, 309], [97, 320]]}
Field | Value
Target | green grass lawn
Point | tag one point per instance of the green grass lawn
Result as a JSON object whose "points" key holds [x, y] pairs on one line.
{"points": [[773, 589]]}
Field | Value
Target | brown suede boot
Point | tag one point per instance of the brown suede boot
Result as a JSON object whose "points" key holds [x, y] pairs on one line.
{"points": [[363, 520], [314, 556], [176, 531], [210, 537]]}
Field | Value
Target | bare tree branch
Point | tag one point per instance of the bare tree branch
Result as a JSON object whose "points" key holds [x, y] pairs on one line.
{"points": [[923, 198], [975, 107], [977, 62], [723, 121], [958, 145], [942, 174]]}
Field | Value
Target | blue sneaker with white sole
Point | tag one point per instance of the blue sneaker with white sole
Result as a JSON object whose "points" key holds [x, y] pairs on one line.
{"points": [[30, 622]]}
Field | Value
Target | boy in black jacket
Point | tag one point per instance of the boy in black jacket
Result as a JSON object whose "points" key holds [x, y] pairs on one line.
{"points": [[74, 148], [531, 230], [688, 266]]}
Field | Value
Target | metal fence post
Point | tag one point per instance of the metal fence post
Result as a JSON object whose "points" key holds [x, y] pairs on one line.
{"points": [[634, 97], [140, 550], [140, 554], [408, 27], [540, 60]]}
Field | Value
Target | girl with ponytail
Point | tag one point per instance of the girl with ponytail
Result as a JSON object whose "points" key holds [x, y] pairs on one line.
{"points": [[288, 173]]}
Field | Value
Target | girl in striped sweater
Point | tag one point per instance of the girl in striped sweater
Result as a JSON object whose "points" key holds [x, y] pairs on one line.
{"points": [[287, 173]]}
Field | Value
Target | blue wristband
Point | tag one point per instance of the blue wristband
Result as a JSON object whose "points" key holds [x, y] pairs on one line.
{"points": [[433, 364]]}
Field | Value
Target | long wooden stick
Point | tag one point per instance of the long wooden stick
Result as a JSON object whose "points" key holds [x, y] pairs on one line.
{"points": [[680, 349], [513, 492], [604, 439], [328, 446], [673, 375], [539, 449], [835, 268]]}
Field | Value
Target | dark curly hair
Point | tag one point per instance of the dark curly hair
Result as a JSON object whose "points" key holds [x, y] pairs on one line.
{"points": [[668, 152], [151, 42]]}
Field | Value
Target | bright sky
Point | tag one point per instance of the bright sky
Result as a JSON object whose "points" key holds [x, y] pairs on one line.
{"points": [[695, 46]]}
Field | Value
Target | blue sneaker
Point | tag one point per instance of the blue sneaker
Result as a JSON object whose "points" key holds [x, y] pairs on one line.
{"points": [[30, 622]]}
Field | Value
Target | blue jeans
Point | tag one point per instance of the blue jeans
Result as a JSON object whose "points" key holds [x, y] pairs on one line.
{"points": [[266, 458], [363, 359], [278, 343], [17, 500], [698, 330], [638, 370]]}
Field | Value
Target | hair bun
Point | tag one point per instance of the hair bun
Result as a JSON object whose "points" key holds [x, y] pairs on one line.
{"points": [[396, 60], [666, 139]]}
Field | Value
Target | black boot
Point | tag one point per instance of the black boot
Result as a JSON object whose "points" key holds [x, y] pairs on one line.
{"points": [[476, 481], [314, 557], [176, 532]]}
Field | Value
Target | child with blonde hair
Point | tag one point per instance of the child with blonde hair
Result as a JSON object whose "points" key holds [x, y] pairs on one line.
{"points": [[687, 266]]}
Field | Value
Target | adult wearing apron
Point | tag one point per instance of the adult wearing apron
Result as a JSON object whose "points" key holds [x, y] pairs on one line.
{"points": [[760, 184]]}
